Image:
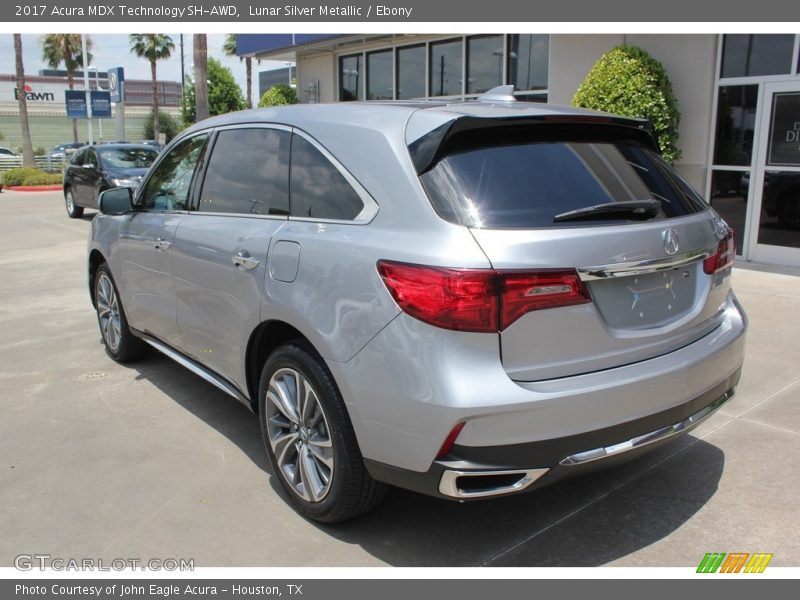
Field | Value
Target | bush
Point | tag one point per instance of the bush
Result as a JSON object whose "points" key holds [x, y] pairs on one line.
{"points": [[224, 94], [167, 125], [39, 151], [628, 81], [278, 95], [30, 176]]}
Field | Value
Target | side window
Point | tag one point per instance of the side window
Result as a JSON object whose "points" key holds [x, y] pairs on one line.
{"points": [[248, 173], [90, 158], [77, 158], [168, 186], [318, 189]]}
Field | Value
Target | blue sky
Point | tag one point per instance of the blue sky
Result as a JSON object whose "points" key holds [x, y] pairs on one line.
{"points": [[113, 50]]}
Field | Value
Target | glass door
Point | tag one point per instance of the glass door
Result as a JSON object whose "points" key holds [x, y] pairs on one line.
{"points": [[775, 212]]}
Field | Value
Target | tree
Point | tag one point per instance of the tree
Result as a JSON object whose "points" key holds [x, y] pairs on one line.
{"points": [[229, 47], [628, 81], [166, 125], [28, 159], [66, 48], [153, 47], [278, 95], [202, 108], [224, 94]]}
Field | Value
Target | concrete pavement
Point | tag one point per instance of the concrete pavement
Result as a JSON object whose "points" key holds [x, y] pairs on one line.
{"points": [[149, 461]]}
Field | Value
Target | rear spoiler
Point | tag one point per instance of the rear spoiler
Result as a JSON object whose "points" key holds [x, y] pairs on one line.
{"points": [[468, 132]]}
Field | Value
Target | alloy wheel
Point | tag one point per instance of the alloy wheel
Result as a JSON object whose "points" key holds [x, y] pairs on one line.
{"points": [[108, 312]]}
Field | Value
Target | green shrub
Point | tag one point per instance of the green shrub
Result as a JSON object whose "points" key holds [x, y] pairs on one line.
{"points": [[167, 125], [278, 95], [30, 176], [628, 81], [39, 151]]}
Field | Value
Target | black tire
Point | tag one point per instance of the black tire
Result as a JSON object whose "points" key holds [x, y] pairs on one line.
{"points": [[73, 210], [122, 346], [350, 491]]}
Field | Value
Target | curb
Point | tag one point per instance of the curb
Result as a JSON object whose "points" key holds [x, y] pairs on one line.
{"points": [[34, 188]]}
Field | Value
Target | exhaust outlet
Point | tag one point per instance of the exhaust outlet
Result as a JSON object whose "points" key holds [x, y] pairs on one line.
{"points": [[481, 484]]}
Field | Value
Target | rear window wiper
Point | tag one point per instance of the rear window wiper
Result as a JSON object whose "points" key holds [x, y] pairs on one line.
{"points": [[639, 210]]}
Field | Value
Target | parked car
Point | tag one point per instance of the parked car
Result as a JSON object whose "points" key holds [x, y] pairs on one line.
{"points": [[7, 152], [64, 151], [96, 168], [468, 300]]}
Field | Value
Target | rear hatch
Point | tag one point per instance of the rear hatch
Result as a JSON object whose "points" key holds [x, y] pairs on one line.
{"points": [[589, 201]]}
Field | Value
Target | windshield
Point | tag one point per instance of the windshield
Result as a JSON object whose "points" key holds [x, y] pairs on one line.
{"points": [[127, 158], [527, 184]]}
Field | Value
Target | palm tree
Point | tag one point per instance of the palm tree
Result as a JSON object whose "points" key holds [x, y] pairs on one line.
{"points": [[229, 48], [66, 48], [28, 159], [153, 47], [200, 43]]}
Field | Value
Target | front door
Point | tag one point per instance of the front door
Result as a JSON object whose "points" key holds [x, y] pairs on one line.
{"points": [[774, 217]]}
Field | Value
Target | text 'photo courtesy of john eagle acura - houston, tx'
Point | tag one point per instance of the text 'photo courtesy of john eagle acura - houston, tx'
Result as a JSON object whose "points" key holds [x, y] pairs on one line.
{"points": [[465, 299]]}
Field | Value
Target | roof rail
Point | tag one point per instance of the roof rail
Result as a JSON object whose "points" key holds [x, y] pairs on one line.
{"points": [[501, 93]]}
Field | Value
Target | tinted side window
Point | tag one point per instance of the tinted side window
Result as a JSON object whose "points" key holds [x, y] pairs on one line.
{"points": [[318, 189], [168, 186], [90, 158], [248, 172], [77, 158]]}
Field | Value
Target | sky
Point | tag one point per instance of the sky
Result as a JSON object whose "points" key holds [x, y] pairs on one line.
{"points": [[113, 50]]}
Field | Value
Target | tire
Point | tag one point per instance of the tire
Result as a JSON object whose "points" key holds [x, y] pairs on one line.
{"points": [[316, 458], [120, 343], [73, 210]]}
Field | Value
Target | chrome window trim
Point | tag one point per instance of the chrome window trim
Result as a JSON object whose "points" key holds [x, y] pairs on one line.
{"points": [[370, 209]]}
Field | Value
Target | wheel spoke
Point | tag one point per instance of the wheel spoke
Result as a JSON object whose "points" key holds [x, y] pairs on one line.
{"points": [[321, 455], [276, 396], [283, 446], [311, 480], [309, 403]]}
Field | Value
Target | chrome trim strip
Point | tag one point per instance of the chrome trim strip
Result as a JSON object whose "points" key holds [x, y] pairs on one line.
{"points": [[448, 484], [649, 438], [196, 369], [642, 266]]}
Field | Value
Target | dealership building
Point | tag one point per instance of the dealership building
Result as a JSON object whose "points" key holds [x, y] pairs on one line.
{"points": [[739, 98], [47, 113]]}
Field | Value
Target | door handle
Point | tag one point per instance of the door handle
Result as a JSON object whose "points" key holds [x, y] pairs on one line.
{"points": [[244, 261], [162, 244]]}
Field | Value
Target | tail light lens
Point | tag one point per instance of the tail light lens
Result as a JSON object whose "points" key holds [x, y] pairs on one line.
{"points": [[479, 300], [726, 252]]}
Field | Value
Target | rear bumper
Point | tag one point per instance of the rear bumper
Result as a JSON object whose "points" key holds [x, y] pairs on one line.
{"points": [[469, 473]]}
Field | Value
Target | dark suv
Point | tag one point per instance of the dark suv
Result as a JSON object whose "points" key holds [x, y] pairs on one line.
{"points": [[94, 169]]}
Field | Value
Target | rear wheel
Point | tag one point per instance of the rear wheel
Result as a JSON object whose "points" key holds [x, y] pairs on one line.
{"points": [[120, 343], [73, 210], [309, 438]]}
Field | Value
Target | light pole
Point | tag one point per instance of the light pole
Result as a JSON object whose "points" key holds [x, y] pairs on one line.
{"points": [[97, 87]]}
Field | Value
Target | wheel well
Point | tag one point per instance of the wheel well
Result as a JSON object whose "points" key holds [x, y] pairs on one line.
{"points": [[266, 337], [95, 260]]}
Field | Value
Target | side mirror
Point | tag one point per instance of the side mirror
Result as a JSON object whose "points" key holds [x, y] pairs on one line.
{"points": [[116, 201]]}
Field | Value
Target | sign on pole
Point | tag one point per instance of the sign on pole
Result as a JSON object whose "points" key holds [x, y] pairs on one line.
{"points": [[76, 104], [115, 78]]}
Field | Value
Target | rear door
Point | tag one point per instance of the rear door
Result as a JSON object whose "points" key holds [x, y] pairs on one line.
{"points": [[146, 244], [528, 197], [220, 251]]}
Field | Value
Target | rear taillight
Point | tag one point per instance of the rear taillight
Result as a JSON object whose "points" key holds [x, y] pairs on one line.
{"points": [[726, 252], [479, 300]]}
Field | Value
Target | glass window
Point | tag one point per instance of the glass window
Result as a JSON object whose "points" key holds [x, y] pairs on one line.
{"points": [[168, 186], [248, 173], [736, 118], [127, 158], [379, 75], [90, 158], [779, 224], [350, 78], [411, 72], [484, 63], [729, 199], [318, 189], [746, 55], [445, 69], [77, 158], [528, 61], [514, 179]]}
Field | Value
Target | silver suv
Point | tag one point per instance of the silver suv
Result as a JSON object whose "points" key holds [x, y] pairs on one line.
{"points": [[467, 300]]}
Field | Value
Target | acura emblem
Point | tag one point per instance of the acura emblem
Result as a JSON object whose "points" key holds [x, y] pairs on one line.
{"points": [[670, 237]]}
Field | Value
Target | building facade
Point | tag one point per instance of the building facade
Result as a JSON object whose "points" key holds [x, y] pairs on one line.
{"points": [[739, 97]]}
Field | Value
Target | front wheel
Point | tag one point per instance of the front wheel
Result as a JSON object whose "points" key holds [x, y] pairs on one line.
{"points": [[120, 343], [73, 210], [309, 438]]}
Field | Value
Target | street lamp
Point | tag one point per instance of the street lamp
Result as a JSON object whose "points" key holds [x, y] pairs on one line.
{"points": [[97, 87]]}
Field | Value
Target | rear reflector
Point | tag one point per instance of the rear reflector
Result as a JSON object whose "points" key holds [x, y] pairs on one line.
{"points": [[450, 440], [478, 300], [726, 252]]}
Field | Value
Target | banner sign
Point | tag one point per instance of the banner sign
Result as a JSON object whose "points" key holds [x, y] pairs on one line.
{"points": [[76, 104], [116, 77]]}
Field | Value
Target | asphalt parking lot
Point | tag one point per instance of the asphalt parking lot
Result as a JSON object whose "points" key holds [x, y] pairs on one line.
{"points": [[149, 461]]}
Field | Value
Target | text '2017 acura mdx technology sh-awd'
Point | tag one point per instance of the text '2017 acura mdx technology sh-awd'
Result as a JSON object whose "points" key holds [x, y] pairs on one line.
{"points": [[463, 299]]}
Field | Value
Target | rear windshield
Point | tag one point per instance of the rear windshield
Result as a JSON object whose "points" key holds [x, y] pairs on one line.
{"points": [[127, 158], [526, 184]]}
